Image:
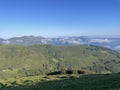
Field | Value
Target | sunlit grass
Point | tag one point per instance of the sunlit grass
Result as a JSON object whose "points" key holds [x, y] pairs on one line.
{"points": [[64, 82]]}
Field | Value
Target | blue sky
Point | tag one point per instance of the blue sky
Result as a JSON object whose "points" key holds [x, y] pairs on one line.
{"points": [[51, 18]]}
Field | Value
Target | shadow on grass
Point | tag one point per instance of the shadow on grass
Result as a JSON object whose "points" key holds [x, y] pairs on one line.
{"points": [[85, 82]]}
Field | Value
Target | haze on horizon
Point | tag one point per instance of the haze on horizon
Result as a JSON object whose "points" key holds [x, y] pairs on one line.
{"points": [[50, 18]]}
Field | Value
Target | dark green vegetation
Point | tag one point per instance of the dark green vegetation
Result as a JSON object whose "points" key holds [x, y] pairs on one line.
{"points": [[82, 82], [18, 61]]}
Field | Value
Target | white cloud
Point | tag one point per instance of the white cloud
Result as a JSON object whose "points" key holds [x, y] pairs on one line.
{"points": [[117, 48], [100, 40], [19, 40], [6, 42]]}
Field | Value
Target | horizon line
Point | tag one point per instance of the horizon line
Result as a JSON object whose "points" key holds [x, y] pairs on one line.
{"points": [[59, 36]]}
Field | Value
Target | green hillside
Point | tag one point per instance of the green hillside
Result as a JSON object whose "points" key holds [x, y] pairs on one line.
{"points": [[17, 61]]}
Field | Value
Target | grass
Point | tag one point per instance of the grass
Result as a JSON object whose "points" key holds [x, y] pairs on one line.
{"points": [[64, 82], [43, 59], [28, 67]]}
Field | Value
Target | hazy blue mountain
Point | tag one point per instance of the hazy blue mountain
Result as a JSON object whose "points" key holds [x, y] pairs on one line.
{"points": [[112, 42]]}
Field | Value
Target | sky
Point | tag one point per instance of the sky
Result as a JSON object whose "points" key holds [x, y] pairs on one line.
{"points": [[51, 18]]}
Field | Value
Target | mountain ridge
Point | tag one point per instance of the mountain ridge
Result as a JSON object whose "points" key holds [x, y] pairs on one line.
{"points": [[104, 41]]}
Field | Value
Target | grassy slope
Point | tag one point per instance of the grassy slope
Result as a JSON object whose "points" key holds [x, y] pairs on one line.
{"points": [[45, 58], [83, 82]]}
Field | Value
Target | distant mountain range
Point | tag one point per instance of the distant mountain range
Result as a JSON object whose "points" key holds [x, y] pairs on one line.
{"points": [[104, 41]]}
